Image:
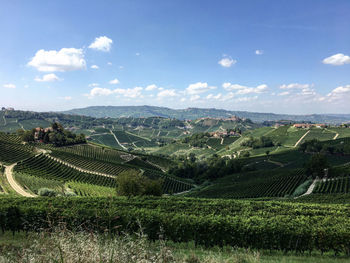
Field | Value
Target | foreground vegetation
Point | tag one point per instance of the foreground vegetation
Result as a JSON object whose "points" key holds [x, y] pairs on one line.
{"points": [[247, 224]]}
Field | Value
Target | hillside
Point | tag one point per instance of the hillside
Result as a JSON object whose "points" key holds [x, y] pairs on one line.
{"points": [[196, 113]]}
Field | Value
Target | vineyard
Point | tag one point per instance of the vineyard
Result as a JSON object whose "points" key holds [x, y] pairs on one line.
{"points": [[12, 150], [333, 186], [248, 224], [45, 167], [254, 185]]}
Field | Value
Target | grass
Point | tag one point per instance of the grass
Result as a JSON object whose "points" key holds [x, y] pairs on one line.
{"points": [[66, 246]]}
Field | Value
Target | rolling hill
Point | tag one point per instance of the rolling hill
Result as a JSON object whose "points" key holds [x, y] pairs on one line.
{"points": [[196, 113]]}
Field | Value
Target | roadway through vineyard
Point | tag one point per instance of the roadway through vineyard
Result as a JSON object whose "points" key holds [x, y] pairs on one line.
{"points": [[116, 139], [13, 183], [302, 137]]}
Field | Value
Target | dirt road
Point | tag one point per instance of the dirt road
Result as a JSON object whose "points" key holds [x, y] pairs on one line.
{"points": [[13, 183]]}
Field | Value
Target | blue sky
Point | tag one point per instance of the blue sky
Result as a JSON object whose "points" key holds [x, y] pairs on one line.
{"points": [[265, 56]]}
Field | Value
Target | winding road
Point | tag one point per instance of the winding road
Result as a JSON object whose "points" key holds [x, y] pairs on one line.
{"points": [[115, 137], [13, 183]]}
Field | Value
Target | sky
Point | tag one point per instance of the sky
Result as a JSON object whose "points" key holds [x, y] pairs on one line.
{"points": [[265, 55]]}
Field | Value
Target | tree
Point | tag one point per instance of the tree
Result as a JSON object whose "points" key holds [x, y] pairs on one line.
{"points": [[316, 165], [132, 183], [129, 183]]}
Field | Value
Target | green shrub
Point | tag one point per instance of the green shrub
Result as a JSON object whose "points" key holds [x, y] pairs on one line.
{"points": [[46, 192]]}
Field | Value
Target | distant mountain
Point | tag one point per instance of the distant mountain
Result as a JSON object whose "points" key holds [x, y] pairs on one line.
{"points": [[195, 113]]}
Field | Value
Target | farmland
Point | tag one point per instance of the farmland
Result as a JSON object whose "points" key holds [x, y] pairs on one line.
{"points": [[248, 195]]}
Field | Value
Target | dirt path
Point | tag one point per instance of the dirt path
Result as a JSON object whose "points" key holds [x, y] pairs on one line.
{"points": [[222, 141], [80, 169], [116, 139], [302, 137], [13, 183], [4, 120], [336, 136], [310, 189]]}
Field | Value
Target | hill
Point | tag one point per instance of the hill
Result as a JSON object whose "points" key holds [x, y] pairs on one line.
{"points": [[196, 113]]}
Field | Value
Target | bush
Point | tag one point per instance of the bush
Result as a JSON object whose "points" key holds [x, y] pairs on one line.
{"points": [[46, 192]]}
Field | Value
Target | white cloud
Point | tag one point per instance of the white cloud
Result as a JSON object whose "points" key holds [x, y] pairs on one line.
{"points": [[48, 78], [295, 86], [259, 52], [26, 86], [9, 86], [129, 93], [212, 96], [114, 81], [66, 59], [137, 54], [337, 60], [67, 98], [339, 93], [228, 86], [100, 92], [102, 44], [227, 62], [244, 89], [151, 87], [93, 85], [246, 99], [183, 99], [109, 63], [94, 67], [167, 93], [195, 97], [259, 89], [198, 88], [228, 96]]}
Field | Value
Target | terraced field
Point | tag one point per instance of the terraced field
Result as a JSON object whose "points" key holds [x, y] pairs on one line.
{"points": [[254, 185]]}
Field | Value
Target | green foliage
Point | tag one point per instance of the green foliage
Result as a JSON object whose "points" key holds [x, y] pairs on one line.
{"points": [[212, 168], [301, 189], [256, 143], [47, 192], [249, 224], [131, 183], [55, 135], [317, 165]]}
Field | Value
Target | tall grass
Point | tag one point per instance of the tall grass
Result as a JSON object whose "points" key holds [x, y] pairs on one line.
{"points": [[63, 246]]}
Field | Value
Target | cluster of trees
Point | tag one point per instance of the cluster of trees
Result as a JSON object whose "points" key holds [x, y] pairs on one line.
{"points": [[56, 135], [317, 166], [131, 183], [210, 169], [260, 142], [197, 140], [330, 147]]}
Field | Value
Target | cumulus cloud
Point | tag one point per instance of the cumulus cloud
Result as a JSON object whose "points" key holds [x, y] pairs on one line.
{"points": [[151, 87], [199, 87], [342, 92], [212, 96], [92, 85], [227, 62], [295, 86], [9, 86], [114, 81], [259, 89], [244, 89], [129, 93], [48, 78], [259, 52], [337, 60], [167, 93], [94, 67], [66, 59], [102, 43]]}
